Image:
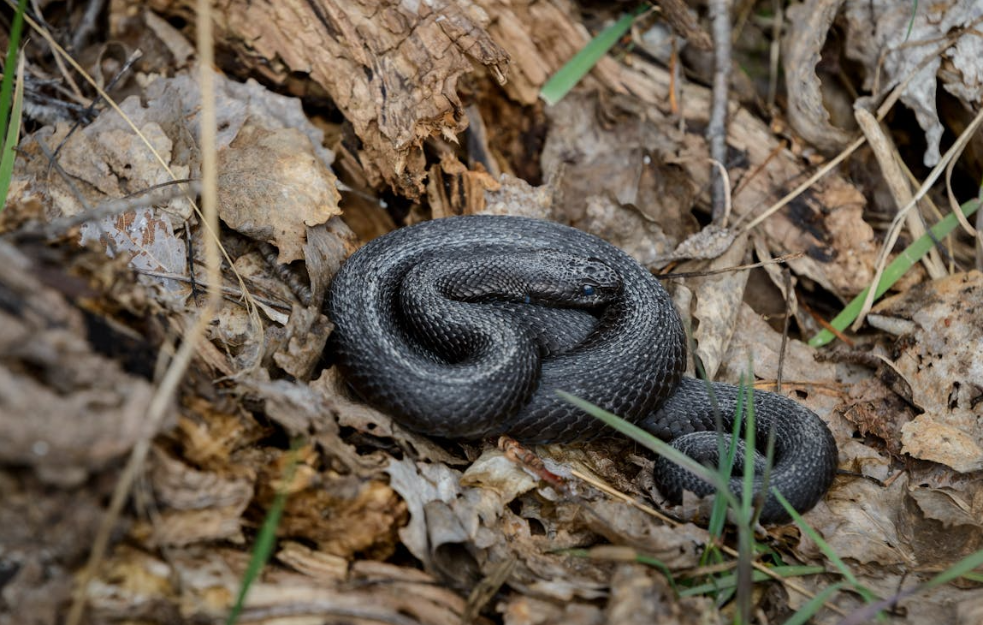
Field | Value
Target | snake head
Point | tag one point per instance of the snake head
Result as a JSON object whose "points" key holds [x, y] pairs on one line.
{"points": [[569, 281]]}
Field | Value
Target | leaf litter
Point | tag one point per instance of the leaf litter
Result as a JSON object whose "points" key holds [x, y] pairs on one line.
{"points": [[382, 524]]}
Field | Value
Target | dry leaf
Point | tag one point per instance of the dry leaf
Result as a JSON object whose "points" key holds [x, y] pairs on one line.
{"points": [[273, 187], [943, 365], [718, 304], [890, 42], [801, 53]]}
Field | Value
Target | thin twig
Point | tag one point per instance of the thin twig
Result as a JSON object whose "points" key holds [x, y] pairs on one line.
{"points": [[163, 398], [232, 293], [789, 298], [724, 179], [717, 126], [62, 174], [87, 25], [712, 272], [156, 194]]}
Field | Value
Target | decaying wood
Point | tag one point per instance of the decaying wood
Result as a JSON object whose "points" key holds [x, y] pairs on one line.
{"points": [[395, 77], [394, 72]]}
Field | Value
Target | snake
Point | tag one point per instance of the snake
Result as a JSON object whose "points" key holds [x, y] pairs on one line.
{"points": [[466, 327]]}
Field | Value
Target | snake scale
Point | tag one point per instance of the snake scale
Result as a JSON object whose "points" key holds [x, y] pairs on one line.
{"points": [[465, 327]]}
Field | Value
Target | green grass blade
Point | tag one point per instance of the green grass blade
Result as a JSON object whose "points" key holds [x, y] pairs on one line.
{"points": [[658, 446], [8, 152], [567, 77], [718, 515], [660, 566], [827, 550], [730, 580], [963, 568], [265, 539], [809, 610], [6, 87], [911, 22], [750, 448], [898, 267], [960, 569]]}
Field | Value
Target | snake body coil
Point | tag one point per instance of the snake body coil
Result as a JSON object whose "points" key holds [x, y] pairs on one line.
{"points": [[465, 327]]}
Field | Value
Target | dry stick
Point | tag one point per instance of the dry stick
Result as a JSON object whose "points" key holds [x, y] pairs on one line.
{"points": [[699, 274], [717, 126], [610, 490], [979, 241], [231, 293], [486, 589], [325, 607], [776, 52], [887, 159], [156, 194], [789, 301], [165, 393], [209, 151], [87, 25], [724, 179], [895, 228], [675, 73], [53, 163]]}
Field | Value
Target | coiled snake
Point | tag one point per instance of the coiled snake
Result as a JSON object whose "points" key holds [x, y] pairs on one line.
{"points": [[465, 327]]}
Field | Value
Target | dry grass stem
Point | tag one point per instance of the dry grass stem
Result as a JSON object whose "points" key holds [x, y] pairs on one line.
{"points": [[888, 158], [895, 228]]}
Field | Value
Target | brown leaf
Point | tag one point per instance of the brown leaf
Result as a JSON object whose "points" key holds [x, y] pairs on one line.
{"points": [[803, 45], [942, 365], [273, 187]]}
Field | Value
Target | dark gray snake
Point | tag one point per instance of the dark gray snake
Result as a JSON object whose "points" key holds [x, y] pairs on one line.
{"points": [[465, 327]]}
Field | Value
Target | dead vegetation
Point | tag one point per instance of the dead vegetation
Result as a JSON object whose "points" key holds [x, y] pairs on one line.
{"points": [[419, 110]]}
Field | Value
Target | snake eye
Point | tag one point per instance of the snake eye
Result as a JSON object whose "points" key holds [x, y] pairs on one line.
{"points": [[587, 290], [527, 300]]}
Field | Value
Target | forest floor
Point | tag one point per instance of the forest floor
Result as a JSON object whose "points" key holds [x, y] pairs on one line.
{"points": [[159, 403]]}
